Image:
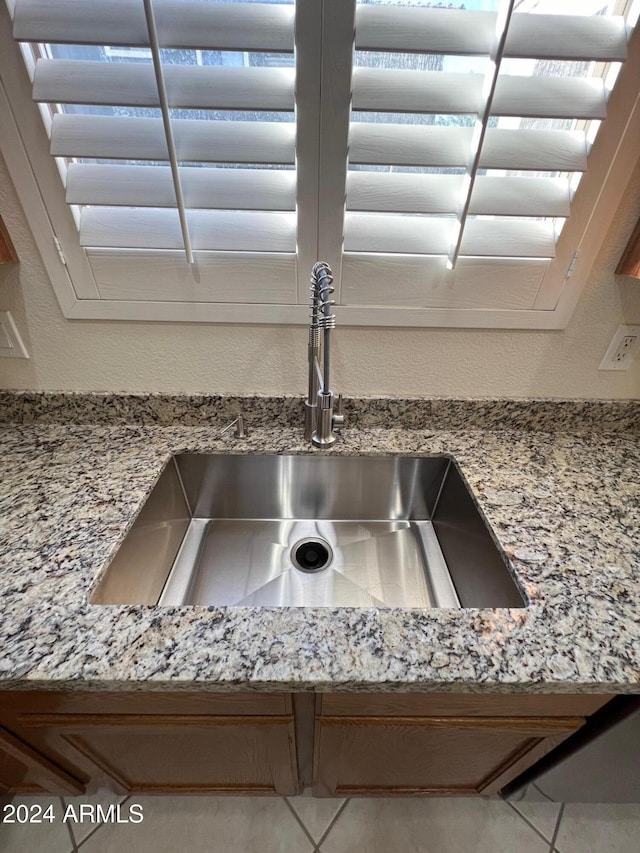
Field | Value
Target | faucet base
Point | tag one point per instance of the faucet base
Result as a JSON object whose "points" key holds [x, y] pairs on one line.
{"points": [[320, 441], [323, 435]]}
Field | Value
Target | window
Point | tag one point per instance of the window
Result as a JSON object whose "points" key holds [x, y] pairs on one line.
{"points": [[191, 159]]}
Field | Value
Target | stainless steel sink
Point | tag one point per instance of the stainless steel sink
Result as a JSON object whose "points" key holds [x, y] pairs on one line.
{"points": [[334, 531]]}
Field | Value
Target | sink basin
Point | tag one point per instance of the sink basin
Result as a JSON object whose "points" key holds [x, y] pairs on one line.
{"points": [[333, 531]]}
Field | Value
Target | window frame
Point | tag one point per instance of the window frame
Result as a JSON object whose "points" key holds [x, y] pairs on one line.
{"points": [[611, 162]]}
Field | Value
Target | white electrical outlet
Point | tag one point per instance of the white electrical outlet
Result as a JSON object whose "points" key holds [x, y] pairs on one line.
{"points": [[622, 349]]}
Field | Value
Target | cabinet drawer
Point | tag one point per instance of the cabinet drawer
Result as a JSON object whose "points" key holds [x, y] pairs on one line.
{"points": [[458, 704]]}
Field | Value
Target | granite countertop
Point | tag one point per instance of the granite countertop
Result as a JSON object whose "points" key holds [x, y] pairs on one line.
{"points": [[559, 485]]}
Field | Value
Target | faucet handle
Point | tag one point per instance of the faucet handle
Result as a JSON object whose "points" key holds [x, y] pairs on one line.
{"points": [[338, 417]]}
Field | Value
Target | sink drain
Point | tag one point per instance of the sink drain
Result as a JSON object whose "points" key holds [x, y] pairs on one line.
{"points": [[311, 555]]}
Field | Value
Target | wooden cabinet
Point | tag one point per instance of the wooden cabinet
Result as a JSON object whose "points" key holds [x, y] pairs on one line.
{"points": [[8, 253], [25, 771], [436, 744], [248, 743], [630, 261], [163, 743]]}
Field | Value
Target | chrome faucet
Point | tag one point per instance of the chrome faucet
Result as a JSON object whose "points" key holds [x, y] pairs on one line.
{"points": [[320, 418]]}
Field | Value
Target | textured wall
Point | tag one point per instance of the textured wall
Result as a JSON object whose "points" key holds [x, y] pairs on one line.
{"points": [[118, 356]]}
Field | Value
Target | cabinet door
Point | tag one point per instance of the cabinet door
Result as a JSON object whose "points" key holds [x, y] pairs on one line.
{"points": [[174, 754], [429, 755], [24, 771], [179, 742]]}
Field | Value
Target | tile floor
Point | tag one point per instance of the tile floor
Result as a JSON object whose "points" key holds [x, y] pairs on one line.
{"points": [[306, 825]]}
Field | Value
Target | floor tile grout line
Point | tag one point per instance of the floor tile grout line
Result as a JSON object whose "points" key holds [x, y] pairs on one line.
{"points": [[304, 828], [528, 822], [69, 827], [333, 822], [542, 793], [100, 825], [552, 849]]}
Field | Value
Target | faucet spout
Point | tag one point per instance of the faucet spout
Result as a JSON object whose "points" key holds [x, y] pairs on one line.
{"points": [[320, 420]]}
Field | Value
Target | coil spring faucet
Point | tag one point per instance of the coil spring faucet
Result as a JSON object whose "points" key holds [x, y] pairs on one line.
{"points": [[320, 419]]}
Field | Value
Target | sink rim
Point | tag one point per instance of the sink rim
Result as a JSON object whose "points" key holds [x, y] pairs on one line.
{"points": [[322, 461]]}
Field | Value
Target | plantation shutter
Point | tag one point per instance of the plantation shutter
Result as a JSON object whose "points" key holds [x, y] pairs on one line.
{"points": [[176, 123], [210, 152], [415, 202]]}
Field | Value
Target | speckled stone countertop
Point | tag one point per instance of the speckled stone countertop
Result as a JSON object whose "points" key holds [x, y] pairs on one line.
{"points": [[561, 492]]}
